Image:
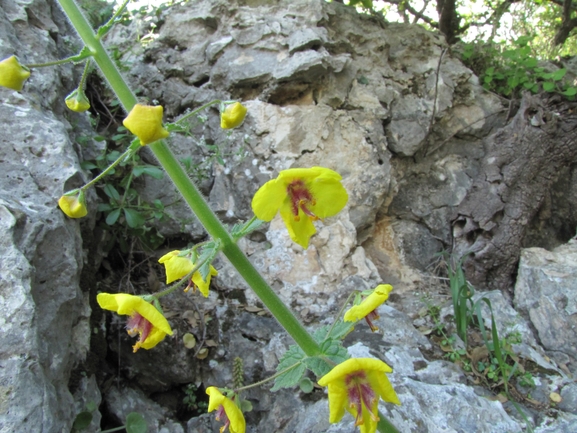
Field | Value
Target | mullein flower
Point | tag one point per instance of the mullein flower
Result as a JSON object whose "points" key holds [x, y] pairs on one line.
{"points": [[77, 101], [145, 121], [13, 74], [356, 385], [73, 204], [302, 195], [178, 266], [145, 320], [367, 309], [226, 411], [232, 116]]}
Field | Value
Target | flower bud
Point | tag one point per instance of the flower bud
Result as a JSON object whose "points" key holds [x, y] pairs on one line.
{"points": [[145, 121], [232, 116], [13, 74], [77, 101], [73, 204]]}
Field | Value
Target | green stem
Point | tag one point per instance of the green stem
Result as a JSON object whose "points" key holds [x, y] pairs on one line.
{"points": [[105, 28], [53, 63], [198, 110], [268, 379], [107, 170], [82, 83]]}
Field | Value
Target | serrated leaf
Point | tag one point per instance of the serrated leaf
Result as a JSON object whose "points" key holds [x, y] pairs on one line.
{"points": [[318, 366], [292, 357], [134, 219], [135, 423]]}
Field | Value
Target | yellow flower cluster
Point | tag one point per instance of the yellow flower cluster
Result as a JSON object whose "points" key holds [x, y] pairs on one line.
{"points": [[145, 121]]}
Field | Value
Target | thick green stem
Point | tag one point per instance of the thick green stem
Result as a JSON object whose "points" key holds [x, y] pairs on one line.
{"points": [[189, 191]]}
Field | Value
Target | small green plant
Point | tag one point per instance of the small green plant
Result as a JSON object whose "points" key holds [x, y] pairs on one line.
{"points": [[509, 71], [190, 399]]}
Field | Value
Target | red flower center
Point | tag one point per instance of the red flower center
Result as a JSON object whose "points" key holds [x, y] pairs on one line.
{"points": [[137, 324], [300, 198], [360, 393]]}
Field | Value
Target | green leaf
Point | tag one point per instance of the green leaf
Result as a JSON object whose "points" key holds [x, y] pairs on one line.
{"points": [[104, 207], [293, 357], [135, 423], [82, 421], [150, 170], [87, 165], [111, 192], [559, 74], [112, 217], [134, 219], [571, 91], [548, 86], [339, 331], [490, 71], [530, 62]]}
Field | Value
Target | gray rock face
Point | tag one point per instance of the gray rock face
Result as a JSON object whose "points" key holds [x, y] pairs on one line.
{"points": [[545, 293], [43, 313]]}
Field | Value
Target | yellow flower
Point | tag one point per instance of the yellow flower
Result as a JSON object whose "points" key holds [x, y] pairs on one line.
{"points": [[77, 101], [356, 385], [145, 121], [73, 205], [302, 195], [144, 320], [226, 410], [232, 116], [13, 74], [368, 308], [179, 266]]}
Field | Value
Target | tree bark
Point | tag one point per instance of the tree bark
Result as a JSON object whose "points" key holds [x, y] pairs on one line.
{"points": [[521, 164]]}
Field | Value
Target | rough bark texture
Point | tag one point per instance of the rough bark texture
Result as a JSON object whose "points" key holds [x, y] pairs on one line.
{"points": [[521, 166]]}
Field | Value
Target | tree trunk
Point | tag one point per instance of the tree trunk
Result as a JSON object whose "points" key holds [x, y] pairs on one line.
{"points": [[521, 165]]}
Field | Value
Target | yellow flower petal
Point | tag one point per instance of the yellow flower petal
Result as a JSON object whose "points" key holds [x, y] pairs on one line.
{"points": [[77, 101], [301, 229], [176, 267], [126, 304], [353, 365], [232, 116], [337, 401], [13, 74], [383, 387], [145, 121], [268, 199], [370, 303], [200, 283], [74, 206], [233, 413]]}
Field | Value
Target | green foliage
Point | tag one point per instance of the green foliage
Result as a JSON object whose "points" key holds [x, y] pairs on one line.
{"points": [[190, 400], [127, 214], [509, 71], [294, 362]]}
